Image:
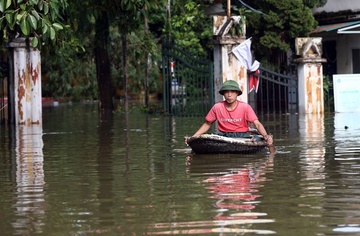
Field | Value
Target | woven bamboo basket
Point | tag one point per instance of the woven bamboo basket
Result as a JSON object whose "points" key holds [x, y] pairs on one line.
{"points": [[216, 144]]}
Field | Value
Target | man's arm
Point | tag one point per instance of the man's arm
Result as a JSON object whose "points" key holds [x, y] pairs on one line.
{"points": [[267, 137], [203, 128]]}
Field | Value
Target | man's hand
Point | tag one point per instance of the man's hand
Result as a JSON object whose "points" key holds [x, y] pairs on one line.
{"points": [[270, 141], [186, 138]]}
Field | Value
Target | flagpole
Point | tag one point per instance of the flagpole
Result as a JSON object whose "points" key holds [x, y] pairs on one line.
{"points": [[228, 9]]}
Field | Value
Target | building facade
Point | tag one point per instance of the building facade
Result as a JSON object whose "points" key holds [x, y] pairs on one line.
{"points": [[339, 27]]}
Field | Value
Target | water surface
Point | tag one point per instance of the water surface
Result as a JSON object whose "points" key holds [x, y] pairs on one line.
{"points": [[133, 175]]}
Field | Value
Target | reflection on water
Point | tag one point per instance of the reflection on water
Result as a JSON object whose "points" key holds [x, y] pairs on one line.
{"points": [[347, 135], [233, 185], [29, 204], [312, 132], [131, 174], [347, 156]]}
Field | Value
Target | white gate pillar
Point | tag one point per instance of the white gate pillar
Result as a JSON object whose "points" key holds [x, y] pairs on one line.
{"points": [[26, 76], [310, 75], [226, 65]]}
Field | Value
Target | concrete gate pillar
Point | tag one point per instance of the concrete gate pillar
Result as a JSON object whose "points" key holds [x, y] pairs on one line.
{"points": [[228, 32], [25, 84], [310, 75]]}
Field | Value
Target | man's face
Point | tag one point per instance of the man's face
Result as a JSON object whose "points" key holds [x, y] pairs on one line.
{"points": [[230, 96]]}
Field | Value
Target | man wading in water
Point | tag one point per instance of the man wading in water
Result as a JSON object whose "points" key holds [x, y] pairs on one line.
{"points": [[233, 116]]}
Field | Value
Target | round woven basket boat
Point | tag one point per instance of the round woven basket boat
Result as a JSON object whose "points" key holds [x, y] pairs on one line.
{"points": [[216, 144]]}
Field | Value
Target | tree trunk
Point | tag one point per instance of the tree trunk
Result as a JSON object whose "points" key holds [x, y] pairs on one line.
{"points": [[146, 82], [147, 58], [103, 63], [125, 71]]}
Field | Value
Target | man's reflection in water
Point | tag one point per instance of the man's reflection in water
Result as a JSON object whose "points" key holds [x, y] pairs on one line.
{"points": [[237, 191], [234, 185], [234, 191]]}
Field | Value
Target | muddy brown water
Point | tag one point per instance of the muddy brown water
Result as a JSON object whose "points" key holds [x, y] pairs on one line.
{"points": [[132, 175]]}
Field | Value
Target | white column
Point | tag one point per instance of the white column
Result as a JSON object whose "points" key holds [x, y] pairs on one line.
{"points": [[310, 75], [310, 87], [27, 83], [226, 65], [36, 97]]}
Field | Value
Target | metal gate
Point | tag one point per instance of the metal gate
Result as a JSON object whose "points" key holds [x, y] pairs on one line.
{"points": [[277, 92], [188, 88], [4, 72]]}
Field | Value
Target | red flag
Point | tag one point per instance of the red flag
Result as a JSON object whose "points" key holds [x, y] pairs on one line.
{"points": [[254, 81]]}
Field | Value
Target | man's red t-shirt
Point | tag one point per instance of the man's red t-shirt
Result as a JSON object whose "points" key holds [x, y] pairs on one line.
{"points": [[232, 121]]}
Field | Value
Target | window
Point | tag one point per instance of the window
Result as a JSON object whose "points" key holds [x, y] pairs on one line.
{"points": [[356, 61]]}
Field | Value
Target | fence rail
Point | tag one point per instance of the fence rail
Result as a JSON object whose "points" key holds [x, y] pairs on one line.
{"points": [[277, 92], [187, 82], [4, 74], [188, 88]]}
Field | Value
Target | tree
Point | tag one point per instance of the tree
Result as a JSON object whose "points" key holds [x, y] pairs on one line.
{"points": [[131, 17], [38, 19], [70, 68], [102, 61], [190, 27], [276, 24], [314, 3]]}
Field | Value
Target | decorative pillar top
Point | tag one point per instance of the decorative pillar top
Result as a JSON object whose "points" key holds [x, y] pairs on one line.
{"points": [[17, 43], [309, 50], [229, 30]]}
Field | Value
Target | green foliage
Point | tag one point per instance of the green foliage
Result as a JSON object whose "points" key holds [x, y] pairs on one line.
{"points": [[274, 32], [130, 13], [190, 27], [38, 19], [69, 74], [314, 3], [69, 68], [139, 45], [328, 96]]}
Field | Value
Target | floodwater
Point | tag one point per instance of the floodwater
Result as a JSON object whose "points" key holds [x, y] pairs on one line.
{"points": [[132, 175]]}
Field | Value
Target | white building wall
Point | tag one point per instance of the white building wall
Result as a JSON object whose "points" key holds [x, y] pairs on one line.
{"points": [[345, 44], [339, 5]]}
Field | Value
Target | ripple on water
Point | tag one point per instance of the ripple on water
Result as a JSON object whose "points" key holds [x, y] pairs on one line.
{"points": [[232, 186]]}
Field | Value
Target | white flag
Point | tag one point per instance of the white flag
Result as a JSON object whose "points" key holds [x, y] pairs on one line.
{"points": [[243, 53]]}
